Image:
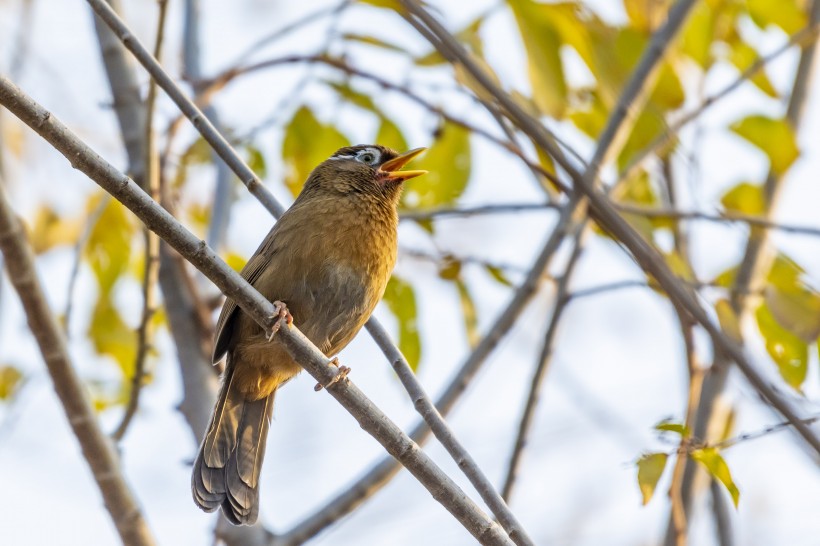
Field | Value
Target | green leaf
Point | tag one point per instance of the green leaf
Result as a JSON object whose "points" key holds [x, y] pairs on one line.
{"points": [[355, 97], [774, 136], [789, 352], [677, 428], [448, 161], [745, 198], [373, 41], [542, 42], [718, 469], [498, 275], [307, 143], [786, 14], [743, 56], [10, 380], [401, 300], [468, 310], [256, 161], [650, 469]]}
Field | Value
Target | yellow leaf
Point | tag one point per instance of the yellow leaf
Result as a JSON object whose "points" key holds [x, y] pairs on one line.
{"points": [[774, 136], [728, 319], [235, 261], [650, 469], [697, 35], [647, 15], [307, 143], [743, 56], [794, 304], [10, 381], [391, 136], [48, 230], [108, 250], [789, 352], [718, 469], [745, 198], [785, 14], [542, 42], [111, 336]]}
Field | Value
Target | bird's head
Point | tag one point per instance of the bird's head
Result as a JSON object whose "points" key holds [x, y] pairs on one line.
{"points": [[364, 170]]}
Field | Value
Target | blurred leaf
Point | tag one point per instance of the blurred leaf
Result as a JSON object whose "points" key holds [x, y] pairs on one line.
{"points": [[677, 428], [235, 261], [697, 35], [774, 136], [590, 114], [648, 126], [373, 41], [111, 336], [786, 14], [743, 56], [794, 304], [542, 42], [355, 97], [256, 161], [498, 275], [199, 216], [393, 5], [638, 190], [789, 352], [48, 230], [108, 249], [391, 136], [468, 310], [450, 268], [467, 80], [401, 300], [448, 161], [728, 319], [645, 15], [744, 198], [10, 380], [198, 153], [718, 469], [307, 143], [650, 470]]}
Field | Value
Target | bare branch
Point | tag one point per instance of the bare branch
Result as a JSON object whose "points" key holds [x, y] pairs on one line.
{"points": [[151, 251], [97, 449]]}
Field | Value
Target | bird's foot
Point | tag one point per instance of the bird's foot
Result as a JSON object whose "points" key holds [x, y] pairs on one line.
{"points": [[280, 313], [342, 374]]}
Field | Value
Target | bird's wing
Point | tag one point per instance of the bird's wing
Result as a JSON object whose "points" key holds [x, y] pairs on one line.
{"points": [[251, 272]]}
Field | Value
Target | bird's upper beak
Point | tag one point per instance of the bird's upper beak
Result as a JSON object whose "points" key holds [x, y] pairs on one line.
{"points": [[390, 169]]}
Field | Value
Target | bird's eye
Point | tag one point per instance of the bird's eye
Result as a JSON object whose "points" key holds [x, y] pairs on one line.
{"points": [[367, 157]]}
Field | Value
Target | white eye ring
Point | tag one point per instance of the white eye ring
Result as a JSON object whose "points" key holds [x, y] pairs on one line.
{"points": [[368, 156]]}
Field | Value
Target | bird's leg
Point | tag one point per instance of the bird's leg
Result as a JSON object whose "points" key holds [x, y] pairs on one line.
{"points": [[281, 313], [343, 371]]}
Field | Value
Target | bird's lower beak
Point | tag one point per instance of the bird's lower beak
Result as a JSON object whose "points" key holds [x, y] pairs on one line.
{"points": [[390, 169]]}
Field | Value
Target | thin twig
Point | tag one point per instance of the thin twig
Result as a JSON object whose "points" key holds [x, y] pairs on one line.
{"points": [[544, 359], [97, 449], [151, 252]]}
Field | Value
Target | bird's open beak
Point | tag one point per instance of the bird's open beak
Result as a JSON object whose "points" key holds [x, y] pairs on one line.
{"points": [[390, 169]]}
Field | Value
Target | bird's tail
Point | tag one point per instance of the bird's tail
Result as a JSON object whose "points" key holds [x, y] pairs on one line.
{"points": [[226, 470]]}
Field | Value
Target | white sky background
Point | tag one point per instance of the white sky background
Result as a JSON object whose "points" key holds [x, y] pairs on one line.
{"points": [[617, 370]]}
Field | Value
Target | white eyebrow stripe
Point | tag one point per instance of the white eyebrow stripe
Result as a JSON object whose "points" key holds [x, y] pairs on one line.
{"points": [[343, 157]]}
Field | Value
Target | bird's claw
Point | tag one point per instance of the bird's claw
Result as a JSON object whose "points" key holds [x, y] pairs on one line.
{"points": [[281, 313], [342, 374]]}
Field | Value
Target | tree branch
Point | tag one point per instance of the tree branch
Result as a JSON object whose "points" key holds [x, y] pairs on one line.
{"points": [[97, 449], [370, 418], [601, 207]]}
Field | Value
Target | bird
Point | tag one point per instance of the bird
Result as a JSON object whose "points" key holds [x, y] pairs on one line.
{"points": [[325, 264]]}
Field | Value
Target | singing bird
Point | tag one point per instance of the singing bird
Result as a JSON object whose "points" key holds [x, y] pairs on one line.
{"points": [[328, 259]]}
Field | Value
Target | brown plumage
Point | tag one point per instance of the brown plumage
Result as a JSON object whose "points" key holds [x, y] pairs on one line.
{"points": [[328, 259]]}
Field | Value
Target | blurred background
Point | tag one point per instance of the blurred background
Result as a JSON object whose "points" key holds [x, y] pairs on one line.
{"points": [[290, 82]]}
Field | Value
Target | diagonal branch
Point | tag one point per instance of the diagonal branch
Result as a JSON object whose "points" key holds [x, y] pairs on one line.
{"points": [[369, 417], [604, 211], [97, 448]]}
